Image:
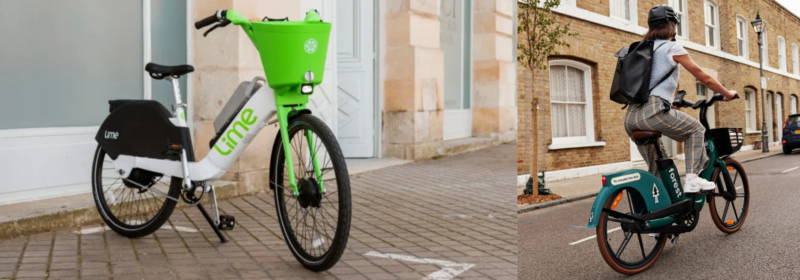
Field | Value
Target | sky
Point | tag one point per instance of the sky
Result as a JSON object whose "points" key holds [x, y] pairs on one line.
{"points": [[792, 5]]}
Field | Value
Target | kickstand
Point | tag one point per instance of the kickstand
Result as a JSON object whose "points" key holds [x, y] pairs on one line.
{"points": [[211, 222]]}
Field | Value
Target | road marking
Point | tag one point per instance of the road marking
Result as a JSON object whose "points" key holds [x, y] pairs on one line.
{"points": [[449, 269], [739, 187], [790, 169], [318, 242], [593, 236]]}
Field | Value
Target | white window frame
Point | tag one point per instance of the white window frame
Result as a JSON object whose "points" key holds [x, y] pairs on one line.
{"points": [[707, 23], [742, 30], [792, 104], [684, 28], [579, 141], [795, 62], [632, 11], [750, 114], [782, 54]]}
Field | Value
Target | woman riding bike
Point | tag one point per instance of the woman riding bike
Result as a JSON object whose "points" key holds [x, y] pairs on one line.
{"points": [[657, 114]]}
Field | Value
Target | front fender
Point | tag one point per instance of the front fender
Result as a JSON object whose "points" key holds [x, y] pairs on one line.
{"points": [[640, 182]]}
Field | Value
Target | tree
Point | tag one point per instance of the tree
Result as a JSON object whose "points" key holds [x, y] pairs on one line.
{"points": [[542, 35]]}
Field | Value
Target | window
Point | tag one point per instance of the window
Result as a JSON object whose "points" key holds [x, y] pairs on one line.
{"points": [[793, 104], [782, 53], [621, 9], [705, 93], [571, 114], [749, 109], [741, 35], [712, 23], [680, 8], [795, 62]]}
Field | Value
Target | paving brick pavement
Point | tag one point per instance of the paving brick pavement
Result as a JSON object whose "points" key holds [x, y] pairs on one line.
{"points": [[457, 210]]}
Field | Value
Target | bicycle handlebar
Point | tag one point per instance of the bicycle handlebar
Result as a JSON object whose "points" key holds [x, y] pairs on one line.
{"points": [[220, 14], [680, 103]]}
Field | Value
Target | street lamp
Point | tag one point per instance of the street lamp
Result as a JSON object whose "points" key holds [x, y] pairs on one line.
{"points": [[759, 26]]}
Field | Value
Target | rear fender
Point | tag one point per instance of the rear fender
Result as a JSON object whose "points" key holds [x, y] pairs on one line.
{"points": [[641, 183]]}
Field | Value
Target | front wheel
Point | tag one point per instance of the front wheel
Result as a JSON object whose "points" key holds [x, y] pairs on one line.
{"points": [[315, 223], [728, 214], [626, 251]]}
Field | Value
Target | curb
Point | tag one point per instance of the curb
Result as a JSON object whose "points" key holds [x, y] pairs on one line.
{"points": [[551, 203], [554, 202]]}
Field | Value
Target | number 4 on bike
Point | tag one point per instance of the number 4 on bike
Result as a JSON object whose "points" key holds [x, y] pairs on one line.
{"points": [[145, 160]]}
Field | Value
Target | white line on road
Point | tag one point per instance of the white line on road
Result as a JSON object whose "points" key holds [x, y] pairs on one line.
{"points": [[739, 187], [449, 269], [790, 169], [93, 230], [593, 236]]}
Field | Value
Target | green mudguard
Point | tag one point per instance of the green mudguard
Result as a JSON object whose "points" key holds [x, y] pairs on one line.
{"points": [[640, 182]]}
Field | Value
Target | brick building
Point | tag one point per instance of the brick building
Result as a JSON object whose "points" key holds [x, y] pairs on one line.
{"points": [[578, 129]]}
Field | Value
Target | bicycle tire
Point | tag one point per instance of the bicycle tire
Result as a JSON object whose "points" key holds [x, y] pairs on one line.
{"points": [[331, 256], [718, 221], [118, 223]]}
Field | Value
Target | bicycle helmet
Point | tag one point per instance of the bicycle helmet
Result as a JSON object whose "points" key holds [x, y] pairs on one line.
{"points": [[660, 14]]}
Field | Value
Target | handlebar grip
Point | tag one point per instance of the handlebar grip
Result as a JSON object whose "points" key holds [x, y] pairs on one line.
{"points": [[216, 17]]}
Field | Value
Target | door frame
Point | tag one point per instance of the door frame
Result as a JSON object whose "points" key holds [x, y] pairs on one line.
{"points": [[377, 86], [66, 136]]}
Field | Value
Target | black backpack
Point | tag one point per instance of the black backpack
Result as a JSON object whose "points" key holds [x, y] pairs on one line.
{"points": [[631, 84]]}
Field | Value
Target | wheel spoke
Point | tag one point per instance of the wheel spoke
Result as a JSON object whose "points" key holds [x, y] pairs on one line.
{"points": [[725, 213], [624, 244], [641, 245], [734, 211]]}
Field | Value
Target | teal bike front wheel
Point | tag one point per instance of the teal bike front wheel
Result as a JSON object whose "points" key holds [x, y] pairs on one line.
{"points": [[316, 222], [729, 213]]}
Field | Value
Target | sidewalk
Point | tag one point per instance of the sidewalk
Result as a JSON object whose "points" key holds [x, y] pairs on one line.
{"points": [[428, 218], [588, 185]]}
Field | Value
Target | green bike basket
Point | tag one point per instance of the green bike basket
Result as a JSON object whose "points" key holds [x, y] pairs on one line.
{"points": [[289, 49]]}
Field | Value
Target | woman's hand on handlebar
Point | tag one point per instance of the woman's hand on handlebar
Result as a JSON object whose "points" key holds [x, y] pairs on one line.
{"points": [[729, 96]]}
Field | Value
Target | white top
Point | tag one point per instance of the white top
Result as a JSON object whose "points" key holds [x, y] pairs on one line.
{"points": [[675, 50]]}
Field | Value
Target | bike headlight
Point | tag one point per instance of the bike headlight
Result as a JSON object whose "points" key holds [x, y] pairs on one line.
{"points": [[306, 89]]}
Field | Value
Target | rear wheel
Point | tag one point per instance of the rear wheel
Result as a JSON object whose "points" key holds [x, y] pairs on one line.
{"points": [[133, 205], [627, 252], [729, 214], [315, 224]]}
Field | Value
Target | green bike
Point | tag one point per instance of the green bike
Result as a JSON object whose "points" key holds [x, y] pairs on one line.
{"points": [[652, 210], [145, 164]]}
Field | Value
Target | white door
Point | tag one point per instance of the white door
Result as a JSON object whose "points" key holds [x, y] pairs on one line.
{"points": [[323, 102], [779, 115], [355, 92], [455, 20], [769, 118]]}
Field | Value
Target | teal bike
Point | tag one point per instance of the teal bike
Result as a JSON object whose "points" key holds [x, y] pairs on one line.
{"points": [[636, 205], [145, 160]]}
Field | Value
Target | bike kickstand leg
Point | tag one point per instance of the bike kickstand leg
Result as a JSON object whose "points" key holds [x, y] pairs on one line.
{"points": [[211, 223]]}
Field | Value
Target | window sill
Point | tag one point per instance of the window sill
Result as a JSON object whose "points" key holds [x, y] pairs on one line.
{"points": [[752, 132], [576, 145]]}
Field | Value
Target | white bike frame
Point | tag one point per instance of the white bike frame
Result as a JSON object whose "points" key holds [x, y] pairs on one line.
{"points": [[255, 114]]}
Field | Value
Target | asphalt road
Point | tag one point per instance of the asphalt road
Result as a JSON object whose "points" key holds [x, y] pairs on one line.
{"points": [[766, 247]]}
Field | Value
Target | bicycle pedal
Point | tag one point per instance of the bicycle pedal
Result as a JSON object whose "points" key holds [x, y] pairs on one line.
{"points": [[226, 222]]}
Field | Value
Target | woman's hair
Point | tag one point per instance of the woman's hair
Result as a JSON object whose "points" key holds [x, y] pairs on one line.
{"points": [[664, 32]]}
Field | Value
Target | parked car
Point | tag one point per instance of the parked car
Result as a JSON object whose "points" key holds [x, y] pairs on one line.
{"points": [[791, 133]]}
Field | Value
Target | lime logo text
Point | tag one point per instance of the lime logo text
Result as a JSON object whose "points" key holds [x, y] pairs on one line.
{"points": [[246, 119]]}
